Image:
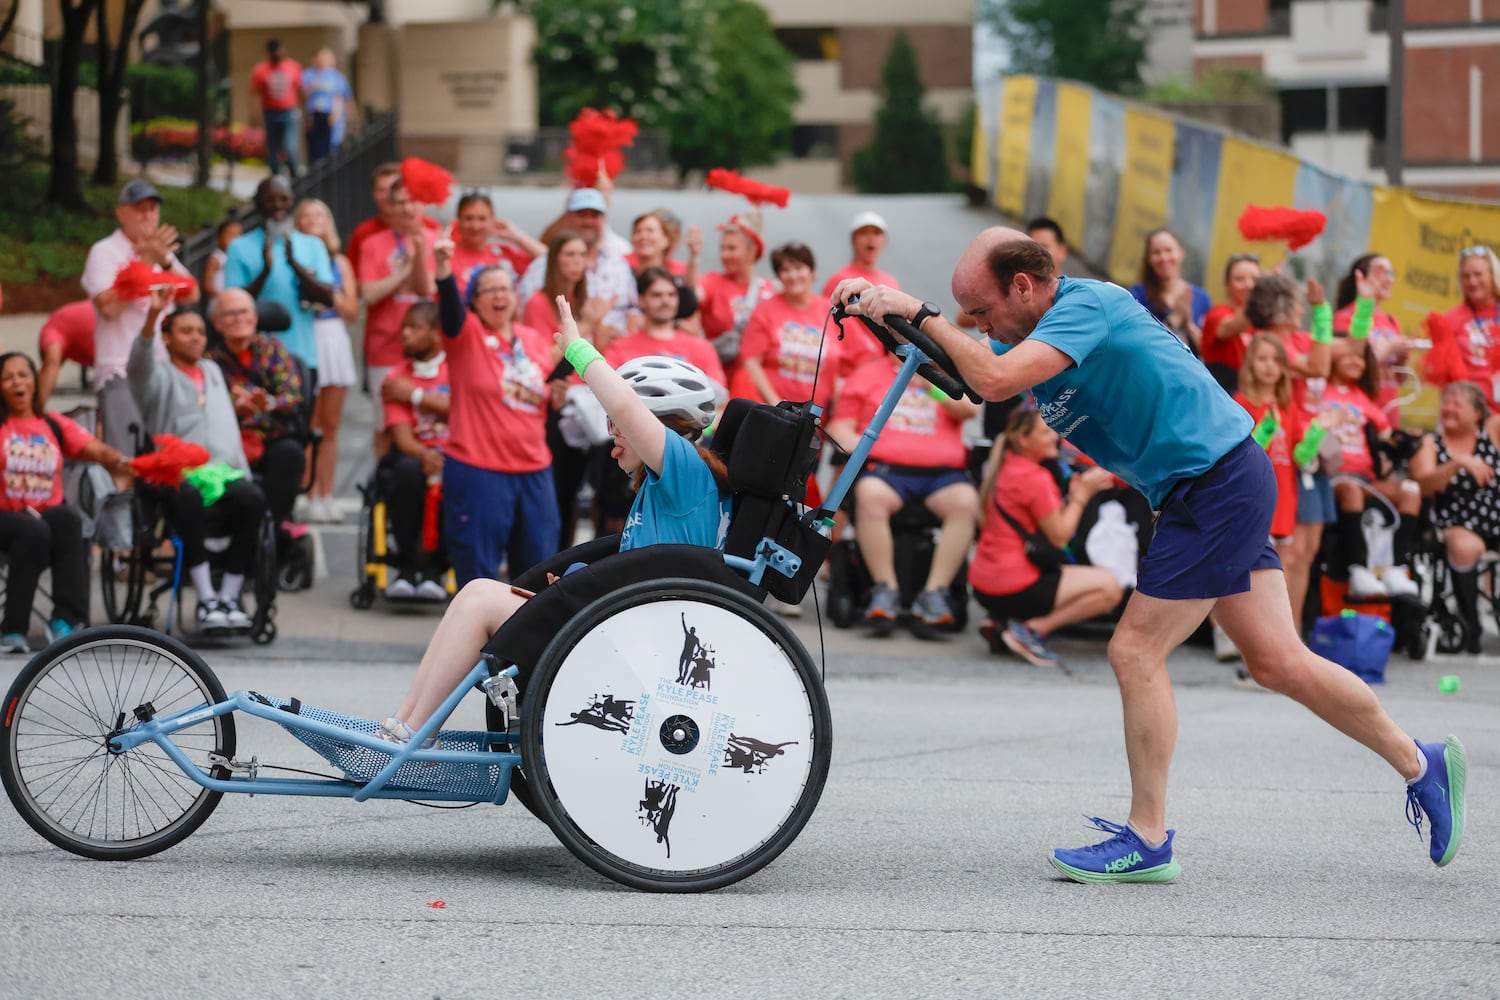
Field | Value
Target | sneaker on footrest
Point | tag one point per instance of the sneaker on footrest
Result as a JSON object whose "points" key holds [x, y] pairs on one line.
{"points": [[429, 589], [210, 616], [400, 589], [1364, 585], [1398, 582], [235, 616], [1124, 857], [933, 608]]}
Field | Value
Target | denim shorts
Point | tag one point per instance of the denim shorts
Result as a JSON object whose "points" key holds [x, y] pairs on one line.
{"points": [[1315, 499], [1213, 531], [912, 486]]}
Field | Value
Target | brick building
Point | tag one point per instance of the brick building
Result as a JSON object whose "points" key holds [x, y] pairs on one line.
{"points": [[1331, 60]]}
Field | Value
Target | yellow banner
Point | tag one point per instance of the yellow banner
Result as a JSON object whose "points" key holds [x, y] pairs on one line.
{"points": [[979, 154], [1145, 189], [1017, 108], [1248, 175], [1423, 238], [1070, 171]]}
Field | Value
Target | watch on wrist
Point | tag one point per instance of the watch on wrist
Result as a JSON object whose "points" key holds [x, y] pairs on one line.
{"points": [[928, 309]]}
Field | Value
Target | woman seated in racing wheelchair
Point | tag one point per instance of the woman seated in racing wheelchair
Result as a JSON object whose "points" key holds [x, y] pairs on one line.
{"points": [[188, 397], [658, 407]]}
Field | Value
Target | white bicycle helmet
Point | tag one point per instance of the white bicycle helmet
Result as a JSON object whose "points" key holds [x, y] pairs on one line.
{"points": [[672, 388]]}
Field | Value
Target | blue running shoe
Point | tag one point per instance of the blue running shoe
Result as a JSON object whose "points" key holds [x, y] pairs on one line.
{"points": [[1124, 857], [1440, 797]]}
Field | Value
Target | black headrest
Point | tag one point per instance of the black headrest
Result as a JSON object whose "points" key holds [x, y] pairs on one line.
{"points": [[778, 447], [272, 317]]}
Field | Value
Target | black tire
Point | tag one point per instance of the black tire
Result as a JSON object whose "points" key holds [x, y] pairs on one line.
{"points": [[362, 598], [53, 757], [263, 584], [123, 589], [587, 782]]}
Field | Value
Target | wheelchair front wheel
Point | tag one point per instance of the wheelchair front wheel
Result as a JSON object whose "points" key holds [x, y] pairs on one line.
{"points": [[676, 735], [54, 756]]}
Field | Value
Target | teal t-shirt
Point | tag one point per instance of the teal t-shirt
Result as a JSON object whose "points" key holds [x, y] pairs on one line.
{"points": [[243, 263], [1135, 399], [682, 506]]}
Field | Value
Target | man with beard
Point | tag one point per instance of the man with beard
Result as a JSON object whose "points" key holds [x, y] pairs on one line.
{"points": [[278, 264], [416, 418]]}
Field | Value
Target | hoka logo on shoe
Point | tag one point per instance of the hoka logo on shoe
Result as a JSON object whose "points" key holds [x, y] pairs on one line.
{"points": [[1126, 863]]}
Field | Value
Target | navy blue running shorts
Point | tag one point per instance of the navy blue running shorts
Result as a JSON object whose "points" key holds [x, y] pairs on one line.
{"points": [[1212, 532]]}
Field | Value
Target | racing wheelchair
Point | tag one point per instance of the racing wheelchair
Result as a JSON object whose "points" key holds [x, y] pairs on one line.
{"points": [[672, 732]]}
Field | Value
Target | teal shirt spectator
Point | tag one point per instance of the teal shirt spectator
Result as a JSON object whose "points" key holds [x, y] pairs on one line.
{"points": [[682, 506], [1135, 399], [244, 261]]}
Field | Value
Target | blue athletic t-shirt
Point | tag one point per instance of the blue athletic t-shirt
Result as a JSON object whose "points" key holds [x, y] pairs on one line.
{"points": [[681, 506], [1135, 400]]}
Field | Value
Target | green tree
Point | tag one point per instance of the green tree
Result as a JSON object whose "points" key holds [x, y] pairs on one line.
{"points": [[742, 116], [1100, 42], [710, 73], [908, 152]]}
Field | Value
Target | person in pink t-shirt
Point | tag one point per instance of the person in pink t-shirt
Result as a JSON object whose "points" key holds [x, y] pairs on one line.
{"points": [[417, 400], [37, 530], [68, 335], [784, 354], [395, 269], [499, 505], [482, 240], [729, 297], [656, 294], [1372, 275], [867, 236], [919, 457]]}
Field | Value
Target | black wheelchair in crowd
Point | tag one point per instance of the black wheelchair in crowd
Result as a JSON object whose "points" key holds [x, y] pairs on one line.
{"points": [[378, 554]]}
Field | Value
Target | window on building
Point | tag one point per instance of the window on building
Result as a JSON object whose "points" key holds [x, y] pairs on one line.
{"points": [[1334, 109], [1279, 17], [815, 142], [1362, 109], [810, 44], [1303, 110]]}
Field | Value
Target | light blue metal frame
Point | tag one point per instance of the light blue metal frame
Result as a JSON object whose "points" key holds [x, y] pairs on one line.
{"points": [[769, 556]]}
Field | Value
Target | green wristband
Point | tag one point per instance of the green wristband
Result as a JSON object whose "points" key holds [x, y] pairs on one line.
{"points": [[1307, 448], [581, 354], [936, 393], [1364, 318], [1322, 323], [1265, 429]]}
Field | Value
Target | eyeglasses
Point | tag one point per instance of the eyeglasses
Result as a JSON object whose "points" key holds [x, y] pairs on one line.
{"points": [[235, 313], [1476, 251]]}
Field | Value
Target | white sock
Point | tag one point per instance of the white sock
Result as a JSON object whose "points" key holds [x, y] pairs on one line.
{"points": [[203, 582], [1422, 761], [230, 585], [1144, 840]]}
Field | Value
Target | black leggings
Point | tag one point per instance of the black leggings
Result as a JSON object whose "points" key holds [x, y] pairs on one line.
{"points": [[34, 543], [239, 511], [403, 485], [280, 469]]}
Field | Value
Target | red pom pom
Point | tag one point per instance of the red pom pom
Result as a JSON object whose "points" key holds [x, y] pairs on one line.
{"points": [[172, 457], [597, 135], [427, 183], [136, 280], [1273, 225], [758, 193]]}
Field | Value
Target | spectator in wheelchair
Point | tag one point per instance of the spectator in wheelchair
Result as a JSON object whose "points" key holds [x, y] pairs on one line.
{"points": [[416, 396], [37, 530], [1024, 581], [658, 408], [1455, 466], [1358, 425], [188, 397], [267, 393], [919, 457]]}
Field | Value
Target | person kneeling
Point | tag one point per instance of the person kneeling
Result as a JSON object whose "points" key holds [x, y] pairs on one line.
{"points": [[658, 407], [919, 456], [188, 397], [1008, 583], [416, 395]]}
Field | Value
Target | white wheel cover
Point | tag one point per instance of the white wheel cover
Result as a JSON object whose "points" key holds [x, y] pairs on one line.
{"points": [[612, 770]]}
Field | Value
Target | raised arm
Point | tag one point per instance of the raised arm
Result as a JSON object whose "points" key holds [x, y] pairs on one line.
{"points": [[646, 434]]}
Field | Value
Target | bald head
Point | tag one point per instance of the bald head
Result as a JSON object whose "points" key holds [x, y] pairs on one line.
{"points": [[1006, 281], [273, 197], [234, 318], [233, 299]]}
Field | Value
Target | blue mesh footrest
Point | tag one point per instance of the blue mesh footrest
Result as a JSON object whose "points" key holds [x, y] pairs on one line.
{"points": [[362, 764]]}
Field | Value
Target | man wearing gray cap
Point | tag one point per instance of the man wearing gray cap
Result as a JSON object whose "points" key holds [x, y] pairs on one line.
{"points": [[140, 236]]}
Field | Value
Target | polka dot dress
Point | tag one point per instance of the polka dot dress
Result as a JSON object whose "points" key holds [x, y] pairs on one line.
{"points": [[1463, 503]]}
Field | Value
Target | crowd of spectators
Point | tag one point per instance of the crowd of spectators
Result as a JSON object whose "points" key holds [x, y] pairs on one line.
{"points": [[476, 412]]}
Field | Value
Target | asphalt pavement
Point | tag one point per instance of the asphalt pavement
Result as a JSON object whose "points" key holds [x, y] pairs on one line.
{"points": [[922, 874]]}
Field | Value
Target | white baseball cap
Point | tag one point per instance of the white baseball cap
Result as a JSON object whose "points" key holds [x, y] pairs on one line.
{"points": [[864, 219]]}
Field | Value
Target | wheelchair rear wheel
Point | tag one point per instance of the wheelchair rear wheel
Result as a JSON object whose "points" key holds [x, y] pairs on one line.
{"points": [[677, 736], [54, 756]]}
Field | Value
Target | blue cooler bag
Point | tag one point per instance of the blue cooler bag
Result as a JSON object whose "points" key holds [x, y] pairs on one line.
{"points": [[1360, 643]]}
